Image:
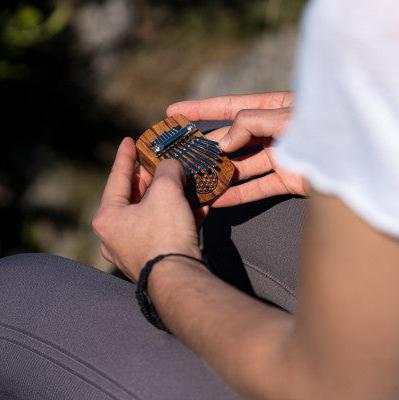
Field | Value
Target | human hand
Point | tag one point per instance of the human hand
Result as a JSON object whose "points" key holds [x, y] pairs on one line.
{"points": [[257, 120], [136, 222]]}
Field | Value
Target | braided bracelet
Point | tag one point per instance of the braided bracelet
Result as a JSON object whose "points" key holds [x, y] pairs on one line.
{"points": [[145, 303]]}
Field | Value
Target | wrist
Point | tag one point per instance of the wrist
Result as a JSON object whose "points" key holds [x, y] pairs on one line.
{"points": [[145, 290], [133, 267], [165, 275]]}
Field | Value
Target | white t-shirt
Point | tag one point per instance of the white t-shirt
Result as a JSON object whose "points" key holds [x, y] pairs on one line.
{"points": [[344, 136]]}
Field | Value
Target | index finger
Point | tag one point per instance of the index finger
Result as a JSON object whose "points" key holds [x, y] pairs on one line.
{"points": [[118, 189], [227, 107]]}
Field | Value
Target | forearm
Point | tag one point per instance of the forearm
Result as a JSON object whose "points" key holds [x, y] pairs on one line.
{"points": [[243, 340]]}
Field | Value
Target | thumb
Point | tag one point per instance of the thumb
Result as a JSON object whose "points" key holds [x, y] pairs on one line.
{"points": [[169, 179]]}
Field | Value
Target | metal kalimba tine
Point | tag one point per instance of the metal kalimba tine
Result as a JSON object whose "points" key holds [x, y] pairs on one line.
{"points": [[208, 170]]}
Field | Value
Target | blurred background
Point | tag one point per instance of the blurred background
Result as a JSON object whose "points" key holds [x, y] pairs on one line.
{"points": [[77, 76]]}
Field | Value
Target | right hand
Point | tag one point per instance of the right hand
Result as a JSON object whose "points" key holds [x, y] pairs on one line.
{"points": [[257, 119], [134, 221]]}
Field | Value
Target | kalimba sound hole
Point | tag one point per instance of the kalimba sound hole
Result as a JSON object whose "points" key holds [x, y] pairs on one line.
{"points": [[207, 182]]}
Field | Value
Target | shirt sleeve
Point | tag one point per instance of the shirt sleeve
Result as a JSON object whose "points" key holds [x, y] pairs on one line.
{"points": [[344, 136]]}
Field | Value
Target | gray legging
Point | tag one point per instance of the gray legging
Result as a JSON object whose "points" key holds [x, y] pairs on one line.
{"points": [[69, 331]]}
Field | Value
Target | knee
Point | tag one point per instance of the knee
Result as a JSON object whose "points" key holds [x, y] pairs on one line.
{"points": [[26, 265], [32, 270], [34, 284]]}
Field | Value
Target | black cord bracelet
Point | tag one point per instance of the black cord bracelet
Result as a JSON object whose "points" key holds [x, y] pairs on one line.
{"points": [[146, 306]]}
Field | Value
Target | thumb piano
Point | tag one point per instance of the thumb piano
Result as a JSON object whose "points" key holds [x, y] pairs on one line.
{"points": [[208, 171]]}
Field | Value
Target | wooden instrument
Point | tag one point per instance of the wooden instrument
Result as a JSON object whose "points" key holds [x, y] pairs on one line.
{"points": [[208, 171]]}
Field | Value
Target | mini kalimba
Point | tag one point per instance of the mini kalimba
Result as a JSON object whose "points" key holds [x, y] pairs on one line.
{"points": [[208, 171]]}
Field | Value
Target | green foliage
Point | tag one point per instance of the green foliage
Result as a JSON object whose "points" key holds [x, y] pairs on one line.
{"points": [[13, 71], [28, 26], [23, 27]]}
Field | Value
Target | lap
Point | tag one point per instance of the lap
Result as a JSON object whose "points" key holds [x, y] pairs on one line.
{"points": [[69, 331], [255, 247]]}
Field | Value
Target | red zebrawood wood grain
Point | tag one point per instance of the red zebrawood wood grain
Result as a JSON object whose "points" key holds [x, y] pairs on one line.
{"points": [[150, 161]]}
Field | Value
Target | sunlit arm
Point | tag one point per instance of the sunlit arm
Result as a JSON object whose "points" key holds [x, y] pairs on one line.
{"points": [[342, 343]]}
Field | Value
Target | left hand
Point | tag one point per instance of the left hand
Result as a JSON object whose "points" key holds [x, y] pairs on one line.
{"points": [[134, 228], [257, 120]]}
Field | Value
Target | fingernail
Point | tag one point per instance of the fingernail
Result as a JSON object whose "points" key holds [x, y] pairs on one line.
{"points": [[126, 139]]}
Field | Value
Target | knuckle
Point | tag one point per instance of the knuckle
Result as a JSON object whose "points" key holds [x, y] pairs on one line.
{"points": [[283, 117], [286, 99], [228, 109], [240, 195], [96, 225], [104, 253], [261, 187], [246, 113], [243, 116], [240, 116], [99, 223]]}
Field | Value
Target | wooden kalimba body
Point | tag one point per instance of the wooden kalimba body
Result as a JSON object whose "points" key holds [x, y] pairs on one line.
{"points": [[208, 171]]}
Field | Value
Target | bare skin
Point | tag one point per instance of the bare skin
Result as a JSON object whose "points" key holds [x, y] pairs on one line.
{"points": [[257, 120], [341, 343]]}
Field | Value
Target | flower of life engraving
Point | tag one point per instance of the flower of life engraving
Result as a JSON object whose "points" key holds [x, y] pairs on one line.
{"points": [[207, 182]]}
